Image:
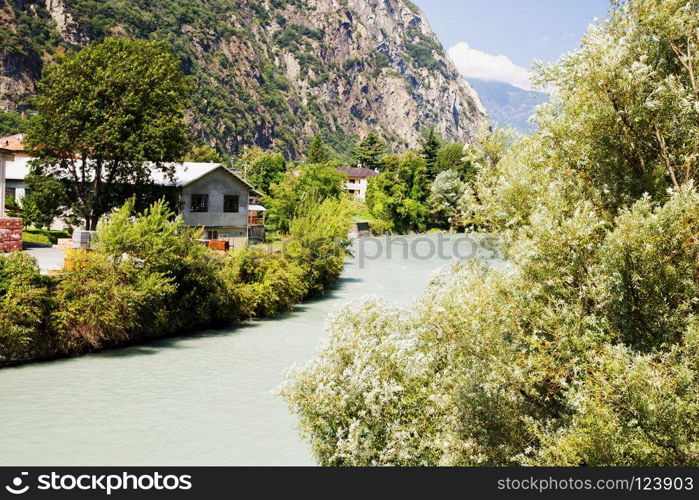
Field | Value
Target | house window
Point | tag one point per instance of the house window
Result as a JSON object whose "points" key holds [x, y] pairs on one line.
{"points": [[200, 203], [211, 234], [231, 203], [352, 181], [10, 194]]}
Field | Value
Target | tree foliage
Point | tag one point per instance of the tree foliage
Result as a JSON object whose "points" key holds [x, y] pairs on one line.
{"points": [[45, 200], [262, 169], [203, 154], [399, 194], [430, 146], [583, 349], [307, 183], [317, 151], [12, 122], [370, 150], [110, 114]]}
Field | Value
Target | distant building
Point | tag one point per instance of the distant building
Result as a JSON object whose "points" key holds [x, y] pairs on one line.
{"points": [[256, 218], [358, 180], [15, 144], [5, 155], [15, 172]]}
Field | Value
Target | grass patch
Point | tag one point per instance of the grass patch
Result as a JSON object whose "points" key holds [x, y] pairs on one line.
{"points": [[43, 236]]}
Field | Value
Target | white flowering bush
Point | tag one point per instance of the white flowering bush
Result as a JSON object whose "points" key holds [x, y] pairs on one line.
{"points": [[376, 395], [584, 351], [529, 365]]}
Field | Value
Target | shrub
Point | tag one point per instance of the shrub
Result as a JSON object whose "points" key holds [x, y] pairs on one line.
{"points": [[160, 243], [266, 283], [531, 364], [309, 183], [106, 301], [318, 241], [648, 271], [25, 299]]}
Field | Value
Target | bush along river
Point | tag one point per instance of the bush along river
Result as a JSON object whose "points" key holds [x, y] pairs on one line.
{"points": [[208, 398]]}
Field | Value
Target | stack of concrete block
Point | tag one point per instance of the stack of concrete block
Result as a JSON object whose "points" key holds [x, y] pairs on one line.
{"points": [[10, 234], [82, 239], [64, 243]]}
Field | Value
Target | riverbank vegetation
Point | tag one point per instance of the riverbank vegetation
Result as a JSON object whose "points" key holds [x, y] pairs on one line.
{"points": [[585, 351], [149, 276]]}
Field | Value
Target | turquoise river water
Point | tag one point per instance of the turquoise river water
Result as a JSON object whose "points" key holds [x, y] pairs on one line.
{"points": [[204, 399]]}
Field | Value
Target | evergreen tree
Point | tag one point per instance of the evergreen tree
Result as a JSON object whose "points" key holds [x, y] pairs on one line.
{"points": [[370, 151], [317, 151], [430, 147]]}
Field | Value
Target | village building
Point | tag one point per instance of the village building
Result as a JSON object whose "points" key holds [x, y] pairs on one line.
{"points": [[218, 200], [6, 155], [358, 180], [15, 144], [211, 196], [15, 172]]}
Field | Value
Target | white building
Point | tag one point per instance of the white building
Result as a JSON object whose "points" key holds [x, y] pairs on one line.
{"points": [[212, 196], [15, 172], [5, 155], [358, 180]]}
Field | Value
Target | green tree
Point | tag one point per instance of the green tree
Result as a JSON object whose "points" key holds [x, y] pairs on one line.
{"points": [[264, 170], [370, 151], [308, 183], [430, 147], [45, 200], [12, 122], [618, 115], [450, 157], [317, 151], [110, 114], [445, 195], [399, 195], [203, 154]]}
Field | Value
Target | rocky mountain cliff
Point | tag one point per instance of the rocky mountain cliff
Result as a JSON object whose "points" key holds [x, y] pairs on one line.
{"points": [[270, 72]]}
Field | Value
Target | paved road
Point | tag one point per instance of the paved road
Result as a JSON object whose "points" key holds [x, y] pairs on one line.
{"points": [[49, 258]]}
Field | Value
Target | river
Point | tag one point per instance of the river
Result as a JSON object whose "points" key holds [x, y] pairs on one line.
{"points": [[203, 399]]}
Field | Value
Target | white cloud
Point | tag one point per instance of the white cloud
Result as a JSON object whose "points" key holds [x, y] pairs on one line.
{"points": [[474, 63]]}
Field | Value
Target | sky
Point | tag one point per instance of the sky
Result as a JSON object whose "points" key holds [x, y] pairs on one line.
{"points": [[500, 39]]}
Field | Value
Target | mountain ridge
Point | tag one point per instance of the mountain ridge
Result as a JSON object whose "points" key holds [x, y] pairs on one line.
{"points": [[268, 73], [507, 105]]}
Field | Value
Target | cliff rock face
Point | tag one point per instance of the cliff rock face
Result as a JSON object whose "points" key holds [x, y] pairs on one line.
{"points": [[271, 72]]}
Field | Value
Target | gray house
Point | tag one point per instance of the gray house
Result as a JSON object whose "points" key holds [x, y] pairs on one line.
{"points": [[215, 198]]}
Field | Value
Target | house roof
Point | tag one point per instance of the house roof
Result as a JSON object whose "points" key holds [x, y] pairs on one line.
{"points": [[187, 172], [7, 153], [358, 172], [184, 173], [12, 143]]}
